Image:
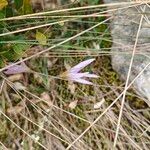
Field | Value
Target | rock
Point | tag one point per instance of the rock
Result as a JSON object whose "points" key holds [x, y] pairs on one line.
{"points": [[124, 28]]}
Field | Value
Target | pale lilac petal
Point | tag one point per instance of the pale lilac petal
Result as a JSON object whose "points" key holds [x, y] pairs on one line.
{"points": [[81, 65], [16, 69], [91, 76], [73, 76], [83, 81]]}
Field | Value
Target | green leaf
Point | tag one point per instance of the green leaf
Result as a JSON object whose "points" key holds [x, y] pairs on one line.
{"points": [[3, 3], [41, 38], [18, 3], [9, 55], [2, 15], [27, 7], [9, 11], [20, 48], [2, 62]]}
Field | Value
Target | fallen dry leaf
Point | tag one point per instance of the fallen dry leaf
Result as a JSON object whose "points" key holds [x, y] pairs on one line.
{"points": [[99, 104], [15, 77], [15, 109], [71, 87], [45, 96], [73, 104], [19, 86]]}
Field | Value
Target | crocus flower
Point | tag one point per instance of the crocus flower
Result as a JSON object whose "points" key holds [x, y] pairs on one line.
{"points": [[74, 74], [21, 68]]}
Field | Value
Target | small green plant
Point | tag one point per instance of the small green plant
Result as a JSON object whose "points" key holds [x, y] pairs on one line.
{"points": [[12, 47]]}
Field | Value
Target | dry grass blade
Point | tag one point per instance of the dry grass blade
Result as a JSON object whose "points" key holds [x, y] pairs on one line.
{"points": [[54, 46], [127, 81], [42, 110]]}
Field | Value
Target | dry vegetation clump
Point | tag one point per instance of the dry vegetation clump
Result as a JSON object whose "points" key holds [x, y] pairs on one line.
{"points": [[39, 110]]}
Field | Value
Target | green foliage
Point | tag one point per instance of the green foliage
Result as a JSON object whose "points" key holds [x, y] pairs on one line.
{"points": [[41, 38], [12, 47], [26, 7], [23, 6], [18, 4]]}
